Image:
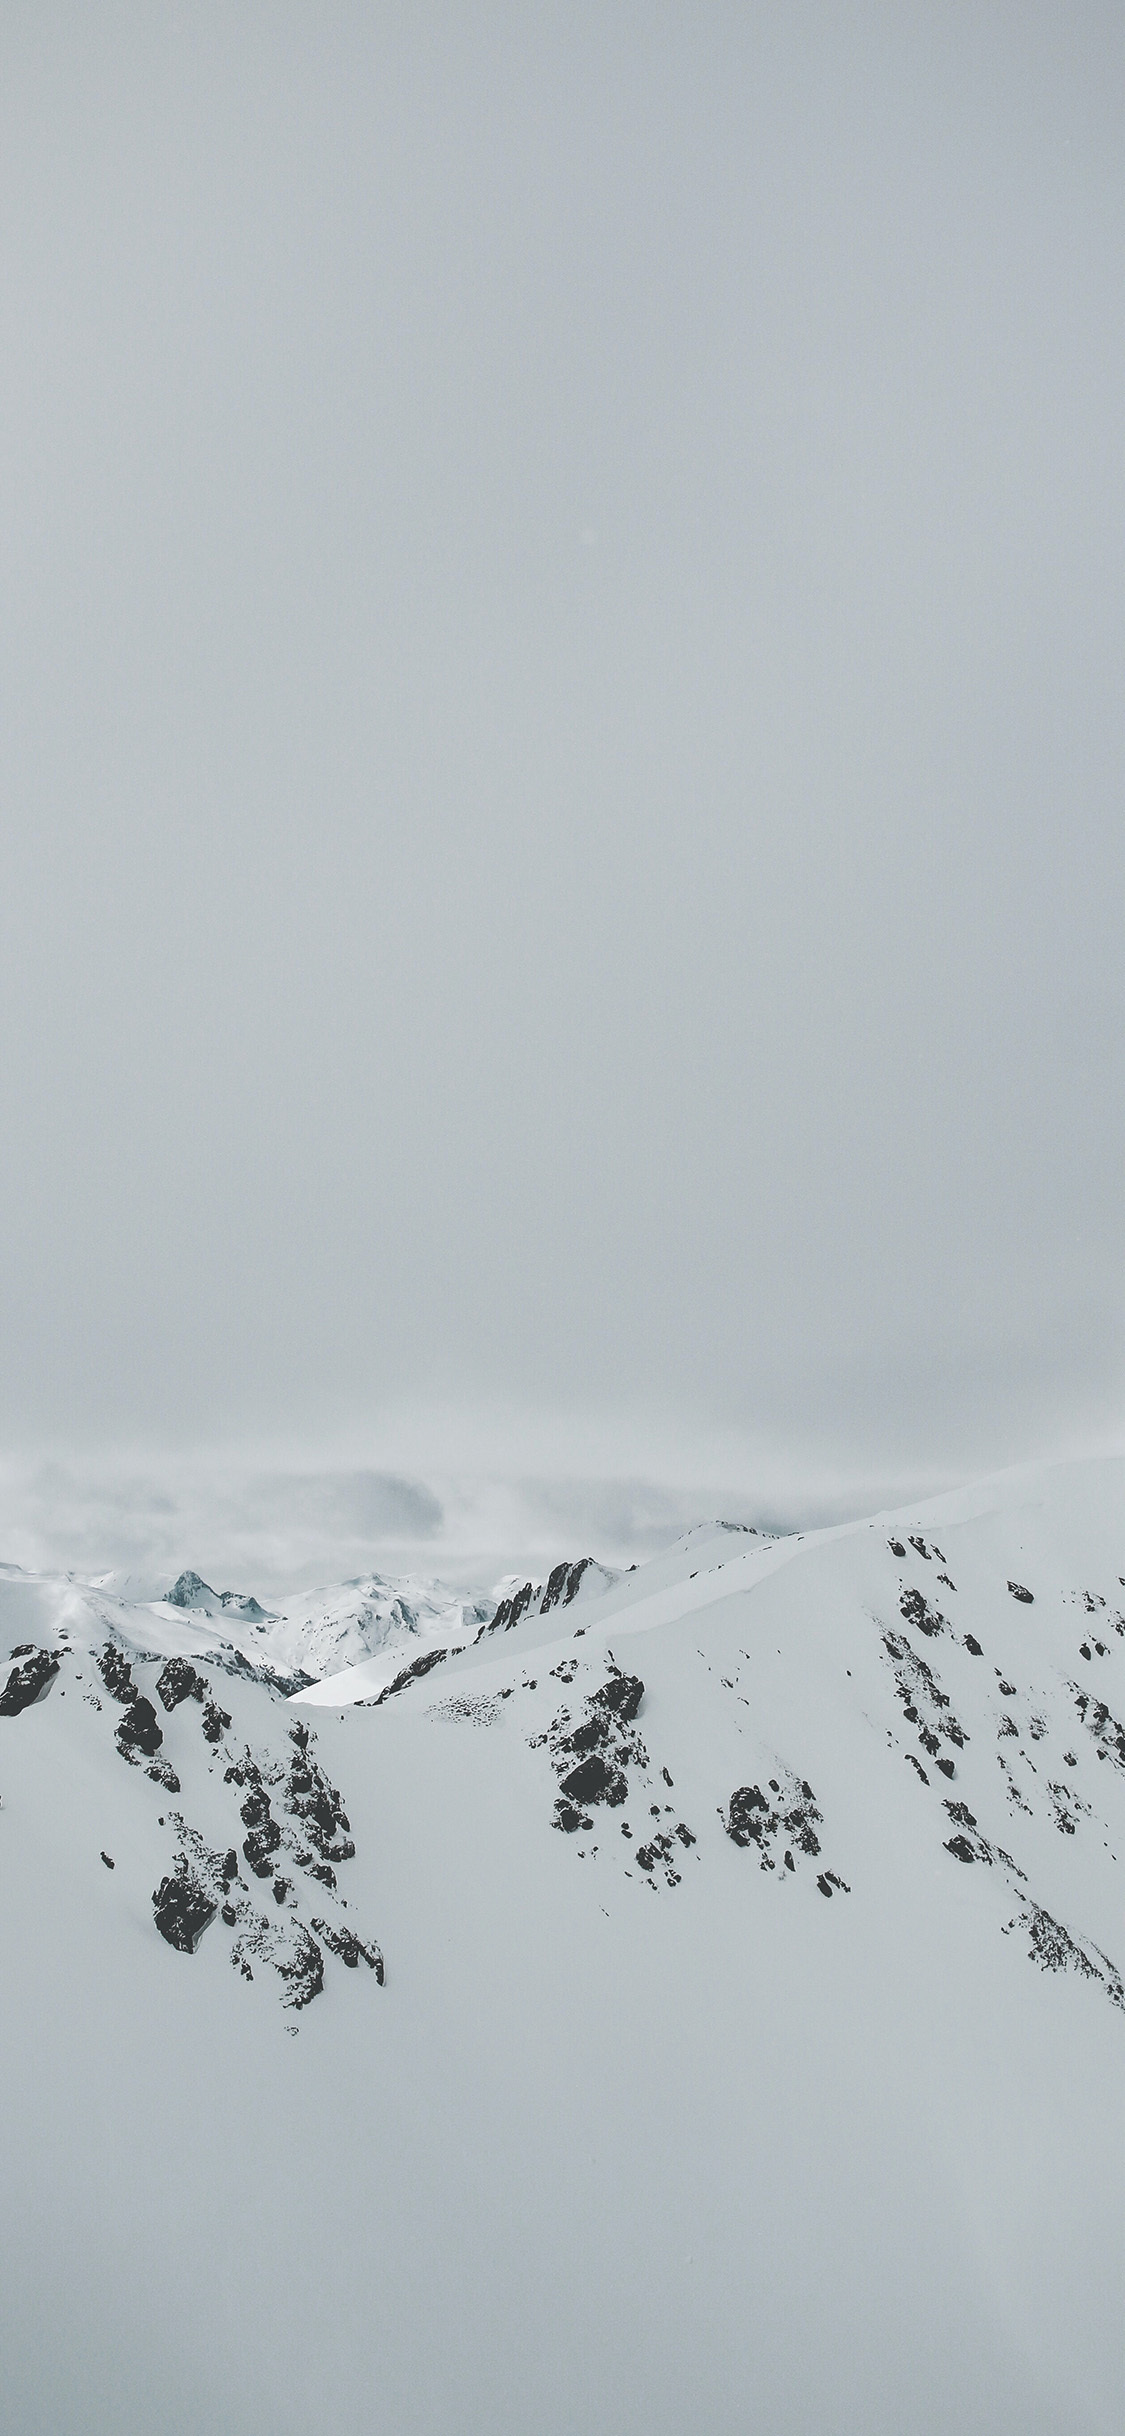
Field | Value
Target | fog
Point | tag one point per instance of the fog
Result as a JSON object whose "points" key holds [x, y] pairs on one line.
{"points": [[562, 765]]}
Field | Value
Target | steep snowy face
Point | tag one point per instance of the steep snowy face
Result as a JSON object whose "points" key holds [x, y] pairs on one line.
{"points": [[720, 1976]]}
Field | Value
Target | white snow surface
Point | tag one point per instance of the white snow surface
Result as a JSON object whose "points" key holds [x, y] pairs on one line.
{"points": [[646, 2130]]}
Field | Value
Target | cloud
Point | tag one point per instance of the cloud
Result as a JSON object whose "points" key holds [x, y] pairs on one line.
{"points": [[366, 1506]]}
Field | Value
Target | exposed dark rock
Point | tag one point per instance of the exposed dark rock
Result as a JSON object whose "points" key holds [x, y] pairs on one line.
{"points": [[961, 1848], [259, 1844], [1105, 1728], [214, 1721], [311, 1798], [116, 1673], [896, 1547], [510, 1611], [411, 1674], [921, 1695], [28, 1683], [563, 1584], [916, 1610], [350, 1948], [1018, 1591], [232, 1662], [109, 1864], [302, 1971], [162, 1773], [747, 1811], [622, 1695], [321, 1870], [179, 1681], [138, 1730], [973, 1645], [791, 1820], [594, 1781], [182, 1910]]}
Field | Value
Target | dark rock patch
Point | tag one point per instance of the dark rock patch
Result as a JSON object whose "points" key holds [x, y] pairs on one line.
{"points": [[793, 1818], [178, 1681], [138, 1731], [622, 1696], [163, 1773], [411, 1674], [182, 1910], [351, 1949], [594, 1780], [116, 1673], [28, 1683], [916, 1610]]}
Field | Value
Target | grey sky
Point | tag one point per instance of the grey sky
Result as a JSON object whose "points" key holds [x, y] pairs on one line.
{"points": [[562, 732]]}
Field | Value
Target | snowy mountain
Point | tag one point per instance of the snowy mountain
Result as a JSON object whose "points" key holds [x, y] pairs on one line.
{"points": [[691, 1999], [371, 1622]]}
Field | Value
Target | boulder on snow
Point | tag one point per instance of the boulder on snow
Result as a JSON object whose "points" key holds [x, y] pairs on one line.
{"points": [[138, 1729], [182, 1910], [27, 1683]]}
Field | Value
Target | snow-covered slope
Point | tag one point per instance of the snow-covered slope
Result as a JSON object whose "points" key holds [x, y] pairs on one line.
{"points": [[718, 2023], [375, 1622]]}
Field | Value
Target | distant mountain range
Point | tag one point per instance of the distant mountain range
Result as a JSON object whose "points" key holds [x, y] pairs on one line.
{"points": [[707, 1985]]}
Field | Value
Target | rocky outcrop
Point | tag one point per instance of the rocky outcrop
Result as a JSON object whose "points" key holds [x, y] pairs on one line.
{"points": [[179, 1681], [182, 1909], [411, 1674], [28, 1683], [138, 1730]]}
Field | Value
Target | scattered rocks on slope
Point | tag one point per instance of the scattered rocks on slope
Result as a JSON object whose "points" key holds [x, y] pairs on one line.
{"points": [[1054, 1949], [1104, 1728], [787, 1824], [350, 1948], [916, 1610], [924, 1704], [28, 1683], [592, 1759]]}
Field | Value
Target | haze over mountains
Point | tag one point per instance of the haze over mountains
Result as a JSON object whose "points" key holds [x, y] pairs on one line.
{"points": [[687, 1997]]}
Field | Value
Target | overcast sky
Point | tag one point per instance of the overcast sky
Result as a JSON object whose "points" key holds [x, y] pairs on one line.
{"points": [[561, 744]]}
